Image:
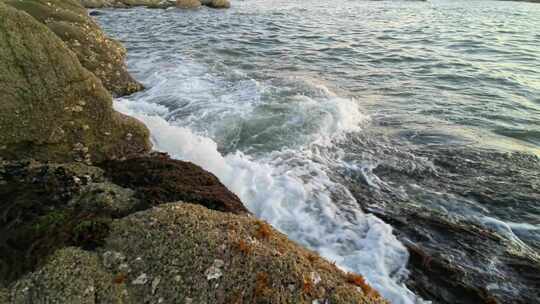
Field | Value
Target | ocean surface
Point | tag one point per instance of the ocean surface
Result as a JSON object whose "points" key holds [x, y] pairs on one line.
{"points": [[399, 139]]}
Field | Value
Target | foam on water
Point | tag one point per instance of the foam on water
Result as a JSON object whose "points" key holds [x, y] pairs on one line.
{"points": [[288, 187]]}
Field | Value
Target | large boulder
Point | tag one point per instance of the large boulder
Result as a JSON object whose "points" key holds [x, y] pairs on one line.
{"points": [[182, 253], [52, 108], [101, 55]]}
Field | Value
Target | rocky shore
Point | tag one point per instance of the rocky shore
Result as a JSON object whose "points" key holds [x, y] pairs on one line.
{"points": [[89, 214]]}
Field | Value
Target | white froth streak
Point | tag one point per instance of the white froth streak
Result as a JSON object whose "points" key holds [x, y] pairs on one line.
{"points": [[293, 193]]}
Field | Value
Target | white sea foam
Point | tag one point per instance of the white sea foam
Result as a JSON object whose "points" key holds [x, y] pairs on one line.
{"points": [[288, 187]]}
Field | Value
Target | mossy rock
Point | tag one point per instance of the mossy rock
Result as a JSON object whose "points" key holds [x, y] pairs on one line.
{"points": [[46, 207], [188, 253], [4, 296], [199, 255], [101, 55], [52, 108], [71, 276], [183, 253]]}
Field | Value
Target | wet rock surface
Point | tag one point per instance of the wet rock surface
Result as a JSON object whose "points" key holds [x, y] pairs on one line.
{"points": [[160, 179], [451, 208]]}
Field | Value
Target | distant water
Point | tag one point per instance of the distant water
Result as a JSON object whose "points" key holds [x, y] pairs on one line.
{"points": [[327, 116]]}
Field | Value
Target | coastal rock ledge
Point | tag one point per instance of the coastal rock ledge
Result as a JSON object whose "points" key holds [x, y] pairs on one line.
{"points": [[88, 214]]}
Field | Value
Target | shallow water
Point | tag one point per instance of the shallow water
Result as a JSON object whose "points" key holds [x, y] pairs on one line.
{"points": [[322, 116]]}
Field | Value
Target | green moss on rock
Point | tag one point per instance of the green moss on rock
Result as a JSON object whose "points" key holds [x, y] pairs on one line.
{"points": [[52, 108], [46, 207], [101, 55], [4, 296], [71, 276]]}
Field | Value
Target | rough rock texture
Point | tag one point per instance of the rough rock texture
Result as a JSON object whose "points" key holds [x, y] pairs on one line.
{"points": [[188, 3], [4, 295], [182, 253], [71, 276], [46, 207], [96, 52], [52, 108], [167, 180]]}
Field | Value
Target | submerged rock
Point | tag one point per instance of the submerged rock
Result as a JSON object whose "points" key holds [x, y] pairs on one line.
{"points": [[101, 55], [52, 108], [440, 201], [169, 250]]}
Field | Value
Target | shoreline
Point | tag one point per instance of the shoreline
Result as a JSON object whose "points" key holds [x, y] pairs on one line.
{"points": [[100, 220]]}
